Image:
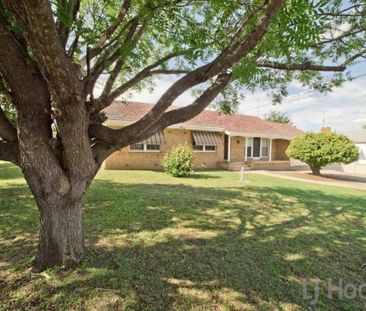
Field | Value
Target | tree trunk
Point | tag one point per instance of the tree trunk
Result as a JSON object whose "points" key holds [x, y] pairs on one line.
{"points": [[315, 171], [61, 240]]}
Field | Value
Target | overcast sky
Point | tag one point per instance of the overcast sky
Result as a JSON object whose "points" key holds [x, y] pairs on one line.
{"points": [[343, 109]]}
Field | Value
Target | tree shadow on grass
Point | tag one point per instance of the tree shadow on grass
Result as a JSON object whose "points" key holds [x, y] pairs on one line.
{"points": [[164, 247], [201, 175]]}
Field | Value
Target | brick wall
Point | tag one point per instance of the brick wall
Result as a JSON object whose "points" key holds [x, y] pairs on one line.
{"points": [[237, 148], [279, 147], [274, 165], [125, 159]]}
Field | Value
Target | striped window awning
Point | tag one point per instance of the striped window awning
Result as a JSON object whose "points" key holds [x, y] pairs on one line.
{"points": [[156, 139], [206, 138]]}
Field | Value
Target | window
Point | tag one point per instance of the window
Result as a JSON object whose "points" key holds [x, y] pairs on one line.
{"points": [[249, 147], [141, 147], [153, 147], [210, 148], [137, 147], [197, 147], [203, 148], [265, 147]]}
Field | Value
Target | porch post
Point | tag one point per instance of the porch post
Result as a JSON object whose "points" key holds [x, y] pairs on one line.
{"points": [[229, 148], [270, 150], [245, 149]]}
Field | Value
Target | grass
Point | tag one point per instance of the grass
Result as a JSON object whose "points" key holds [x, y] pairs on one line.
{"points": [[203, 243]]}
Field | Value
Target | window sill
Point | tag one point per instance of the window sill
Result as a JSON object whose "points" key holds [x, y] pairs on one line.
{"points": [[144, 151], [204, 151]]}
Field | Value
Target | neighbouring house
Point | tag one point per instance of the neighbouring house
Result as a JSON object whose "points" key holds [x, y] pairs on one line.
{"points": [[358, 167], [219, 140]]}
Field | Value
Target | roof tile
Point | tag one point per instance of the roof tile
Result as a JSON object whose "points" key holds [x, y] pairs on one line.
{"points": [[133, 111]]}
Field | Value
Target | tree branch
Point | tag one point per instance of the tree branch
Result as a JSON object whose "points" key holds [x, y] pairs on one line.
{"points": [[107, 98], [106, 134], [343, 11], [345, 34], [223, 62], [188, 112], [108, 33], [168, 71], [300, 67], [9, 152], [36, 20], [310, 66], [16, 68], [64, 24], [115, 54], [354, 57]]}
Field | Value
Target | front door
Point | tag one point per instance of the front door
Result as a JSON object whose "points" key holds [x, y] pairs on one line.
{"points": [[256, 147], [226, 147]]}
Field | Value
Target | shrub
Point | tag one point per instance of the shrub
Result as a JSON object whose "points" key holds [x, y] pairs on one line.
{"points": [[320, 149], [179, 161]]}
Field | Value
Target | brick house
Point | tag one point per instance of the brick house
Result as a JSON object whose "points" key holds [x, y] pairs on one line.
{"points": [[218, 140]]}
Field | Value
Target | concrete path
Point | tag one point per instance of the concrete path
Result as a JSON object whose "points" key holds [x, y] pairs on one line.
{"points": [[329, 177]]}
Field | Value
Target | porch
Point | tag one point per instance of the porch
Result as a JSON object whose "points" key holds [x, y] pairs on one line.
{"points": [[255, 153]]}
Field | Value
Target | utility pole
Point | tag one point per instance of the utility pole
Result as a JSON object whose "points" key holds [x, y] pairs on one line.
{"points": [[323, 125]]}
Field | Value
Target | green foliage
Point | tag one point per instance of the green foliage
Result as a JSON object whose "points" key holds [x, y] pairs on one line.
{"points": [[277, 116], [203, 28], [363, 126], [8, 108], [179, 161], [320, 149]]}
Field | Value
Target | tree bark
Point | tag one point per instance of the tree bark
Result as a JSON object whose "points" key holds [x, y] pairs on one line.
{"points": [[315, 171], [61, 240], [49, 90]]}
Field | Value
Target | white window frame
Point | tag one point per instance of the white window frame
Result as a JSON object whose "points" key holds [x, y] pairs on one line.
{"points": [[248, 145], [145, 148], [261, 146], [204, 149], [250, 156]]}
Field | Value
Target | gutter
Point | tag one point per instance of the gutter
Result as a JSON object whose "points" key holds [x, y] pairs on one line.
{"points": [[111, 122]]}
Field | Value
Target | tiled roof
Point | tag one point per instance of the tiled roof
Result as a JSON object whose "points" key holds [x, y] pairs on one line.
{"points": [[133, 111]]}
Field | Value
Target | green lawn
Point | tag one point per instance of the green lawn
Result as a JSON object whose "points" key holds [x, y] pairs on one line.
{"points": [[203, 243]]}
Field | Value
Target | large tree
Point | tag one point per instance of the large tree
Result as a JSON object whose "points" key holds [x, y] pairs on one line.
{"points": [[320, 149], [54, 53], [277, 116]]}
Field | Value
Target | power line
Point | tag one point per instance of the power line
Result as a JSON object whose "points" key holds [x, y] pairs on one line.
{"points": [[288, 99]]}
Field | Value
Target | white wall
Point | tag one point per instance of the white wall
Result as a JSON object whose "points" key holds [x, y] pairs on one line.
{"points": [[362, 148], [355, 168], [297, 163], [358, 167]]}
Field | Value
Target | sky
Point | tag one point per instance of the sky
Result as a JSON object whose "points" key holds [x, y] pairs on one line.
{"points": [[343, 109]]}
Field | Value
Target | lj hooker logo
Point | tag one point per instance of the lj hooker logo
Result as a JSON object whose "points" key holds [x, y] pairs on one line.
{"points": [[340, 289]]}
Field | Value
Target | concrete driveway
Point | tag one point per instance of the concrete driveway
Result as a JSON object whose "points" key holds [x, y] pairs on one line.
{"points": [[329, 177]]}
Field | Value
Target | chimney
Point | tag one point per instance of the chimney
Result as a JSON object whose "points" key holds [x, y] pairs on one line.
{"points": [[325, 129]]}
